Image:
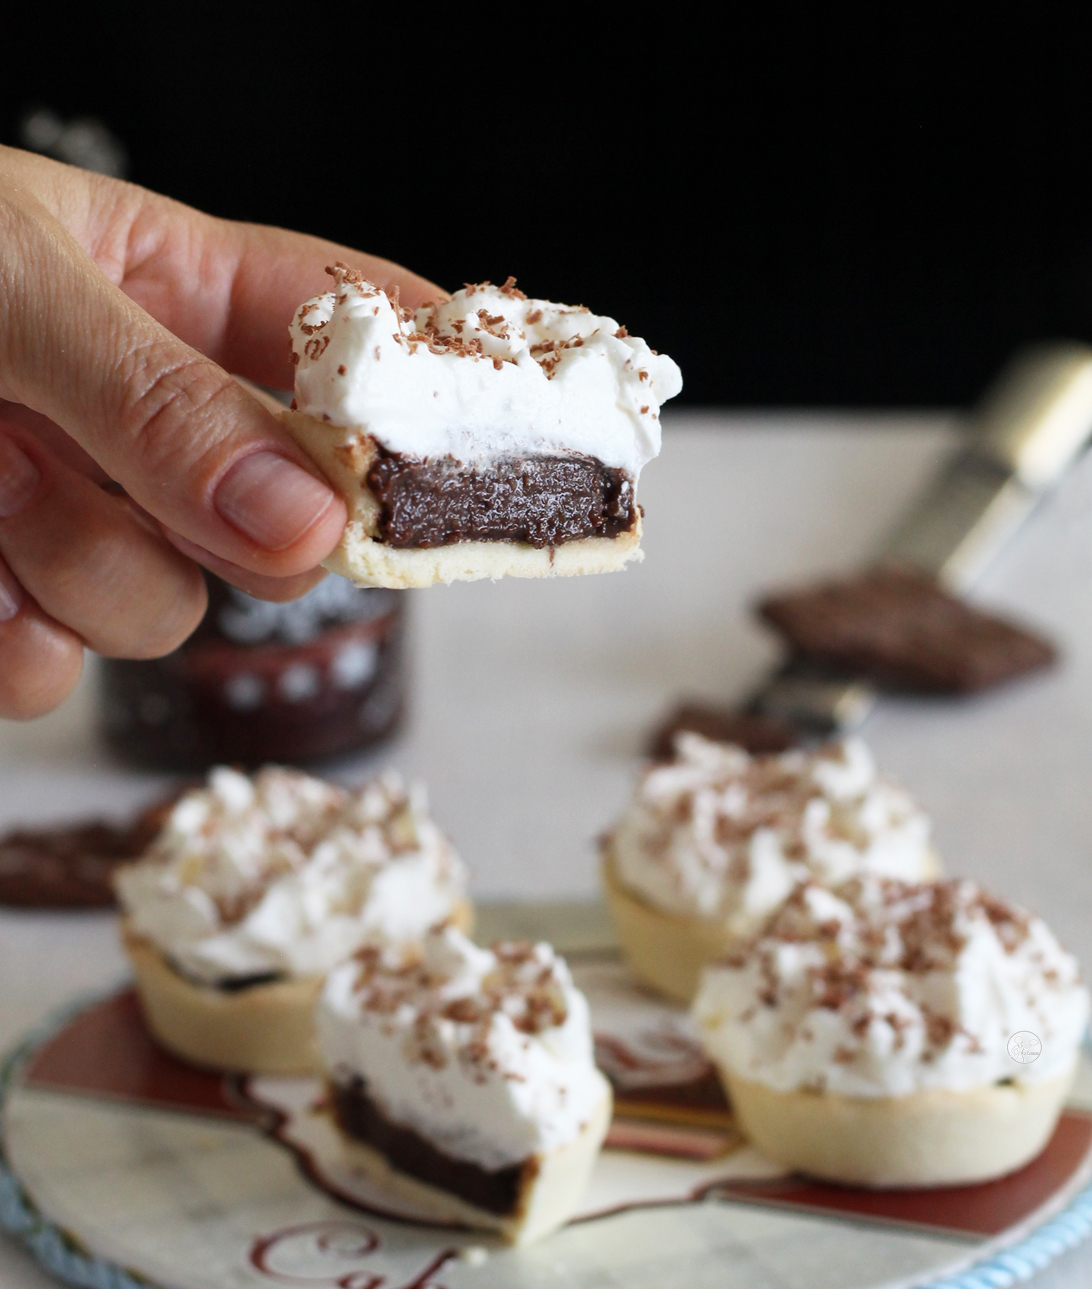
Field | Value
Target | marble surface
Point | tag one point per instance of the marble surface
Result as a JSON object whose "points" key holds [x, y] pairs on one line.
{"points": [[531, 700]]}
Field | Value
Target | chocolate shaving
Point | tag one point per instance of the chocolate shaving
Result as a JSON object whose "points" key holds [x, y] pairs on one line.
{"points": [[345, 276]]}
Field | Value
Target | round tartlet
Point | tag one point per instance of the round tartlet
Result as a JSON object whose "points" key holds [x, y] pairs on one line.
{"points": [[714, 840], [864, 1034], [256, 888], [450, 394], [463, 1079]]}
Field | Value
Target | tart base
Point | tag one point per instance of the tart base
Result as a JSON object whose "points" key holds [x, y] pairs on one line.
{"points": [[929, 1138], [551, 1187], [368, 562], [668, 951], [264, 1029]]}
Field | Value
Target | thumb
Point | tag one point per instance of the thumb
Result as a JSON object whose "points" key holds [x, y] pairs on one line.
{"points": [[192, 447]]}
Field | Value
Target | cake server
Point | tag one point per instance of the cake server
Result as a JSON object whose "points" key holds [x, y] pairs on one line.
{"points": [[1028, 429]]}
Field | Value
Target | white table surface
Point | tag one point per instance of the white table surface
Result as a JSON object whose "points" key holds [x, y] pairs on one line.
{"points": [[531, 700]]}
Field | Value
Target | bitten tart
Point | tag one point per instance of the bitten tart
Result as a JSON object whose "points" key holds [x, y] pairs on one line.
{"points": [[463, 1080], [717, 838], [256, 888], [488, 436], [867, 1034]]}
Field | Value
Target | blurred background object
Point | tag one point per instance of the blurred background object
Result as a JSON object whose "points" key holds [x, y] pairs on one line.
{"points": [[803, 213], [257, 682], [805, 208], [84, 142]]}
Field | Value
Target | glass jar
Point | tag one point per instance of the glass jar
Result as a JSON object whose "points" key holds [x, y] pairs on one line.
{"points": [[260, 682]]}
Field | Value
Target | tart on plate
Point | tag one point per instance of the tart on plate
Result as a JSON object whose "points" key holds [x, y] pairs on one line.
{"points": [[879, 1034], [463, 1080], [717, 838], [256, 888]]}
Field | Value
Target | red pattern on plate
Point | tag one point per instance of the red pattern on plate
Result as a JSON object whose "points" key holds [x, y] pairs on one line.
{"points": [[106, 1051], [988, 1208]]}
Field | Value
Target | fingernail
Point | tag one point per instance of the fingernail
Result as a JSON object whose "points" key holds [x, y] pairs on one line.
{"points": [[271, 499], [12, 594], [19, 478]]}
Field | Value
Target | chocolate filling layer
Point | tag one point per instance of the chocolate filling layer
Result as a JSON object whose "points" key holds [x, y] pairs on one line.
{"points": [[543, 500], [496, 1191], [239, 984]]}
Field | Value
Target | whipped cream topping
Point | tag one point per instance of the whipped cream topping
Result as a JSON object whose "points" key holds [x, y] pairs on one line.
{"points": [[884, 988], [284, 873], [718, 833], [487, 374], [485, 1053]]}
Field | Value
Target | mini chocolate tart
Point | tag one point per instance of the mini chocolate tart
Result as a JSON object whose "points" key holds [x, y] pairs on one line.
{"points": [[484, 435], [257, 887], [463, 1080], [745, 828], [882, 1033]]}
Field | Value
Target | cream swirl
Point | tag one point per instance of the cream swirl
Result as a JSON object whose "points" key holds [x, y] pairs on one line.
{"points": [[486, 1053], [487, 374], [884, 988], [718, 833], [283, 873]]}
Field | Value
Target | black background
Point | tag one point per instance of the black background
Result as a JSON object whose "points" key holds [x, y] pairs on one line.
{"points": [[800, 210]]}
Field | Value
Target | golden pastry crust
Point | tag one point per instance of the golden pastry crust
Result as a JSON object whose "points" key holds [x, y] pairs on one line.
{"points": [[552, 1186], [934, 1137], [368, 562], [264, 1029], [669, 951]]}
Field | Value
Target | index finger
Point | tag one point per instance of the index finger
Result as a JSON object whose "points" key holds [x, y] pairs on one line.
{"points": [[228, 289], [277, 272], [163, 419]]}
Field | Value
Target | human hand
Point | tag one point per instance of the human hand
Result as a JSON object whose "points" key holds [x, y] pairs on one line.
{"points": [[128, 454]]}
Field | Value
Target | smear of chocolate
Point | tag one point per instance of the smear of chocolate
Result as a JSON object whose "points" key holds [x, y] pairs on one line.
{"points": [[901, 629], [756, 734], [72, 866]]}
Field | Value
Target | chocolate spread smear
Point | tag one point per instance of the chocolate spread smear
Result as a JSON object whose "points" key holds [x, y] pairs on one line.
{"points": [[72, 866], [542, 500], [903, 630], [495, 1190]]}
